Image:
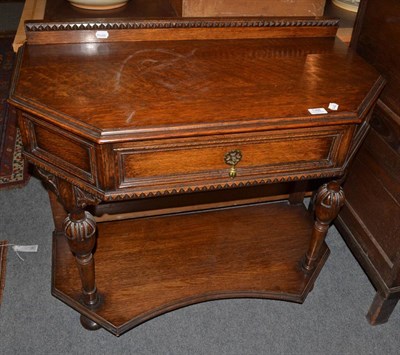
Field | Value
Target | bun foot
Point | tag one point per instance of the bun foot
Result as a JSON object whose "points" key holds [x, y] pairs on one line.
{"points": [[89, 324]]}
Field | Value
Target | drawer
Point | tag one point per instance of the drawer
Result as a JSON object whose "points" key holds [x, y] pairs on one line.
{"points": [[200, 162]]}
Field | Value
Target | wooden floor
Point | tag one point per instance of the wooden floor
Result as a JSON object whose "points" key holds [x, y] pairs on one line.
{"points": [[144, 269]]}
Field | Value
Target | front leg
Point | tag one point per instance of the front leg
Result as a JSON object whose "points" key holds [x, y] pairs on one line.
{"points": [[80, 231], [79, 228], [328, 202]]}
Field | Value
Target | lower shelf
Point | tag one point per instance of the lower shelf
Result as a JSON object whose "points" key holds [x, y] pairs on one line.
{"points": [[146, 267]]}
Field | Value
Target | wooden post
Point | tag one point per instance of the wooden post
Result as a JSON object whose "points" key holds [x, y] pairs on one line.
{"points": [[381, 309], [329, 200]]}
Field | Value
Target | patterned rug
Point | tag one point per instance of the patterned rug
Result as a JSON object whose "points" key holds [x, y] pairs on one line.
{"points": [[3, 255], [13, 169]]}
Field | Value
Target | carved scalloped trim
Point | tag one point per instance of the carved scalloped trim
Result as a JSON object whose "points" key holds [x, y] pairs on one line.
{"points": [[178, 23], [134, 195]]}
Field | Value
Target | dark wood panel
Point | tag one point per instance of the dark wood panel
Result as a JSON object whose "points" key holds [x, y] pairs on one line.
{"points": [[374, 214], [369, 221], [384, 163], [387, 125], [381, 48]]}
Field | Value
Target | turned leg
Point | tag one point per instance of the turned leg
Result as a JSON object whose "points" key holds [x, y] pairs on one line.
{"points": [[80, 231], [68, 203], [381, 309], [329, 200]]}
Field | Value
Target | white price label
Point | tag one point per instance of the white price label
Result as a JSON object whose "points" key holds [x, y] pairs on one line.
{"points": [[332, 106], [318, 111], [26, 248], [102, 34]]}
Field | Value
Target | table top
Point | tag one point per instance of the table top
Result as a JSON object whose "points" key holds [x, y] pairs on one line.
{"points": [[143, 88]]}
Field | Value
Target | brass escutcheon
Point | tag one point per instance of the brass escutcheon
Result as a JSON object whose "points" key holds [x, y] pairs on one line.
{"points": [[232, 158]]}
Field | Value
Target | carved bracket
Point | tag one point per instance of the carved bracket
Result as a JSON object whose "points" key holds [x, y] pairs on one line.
{"points": [[71, 196], [49, 180], [84, 198]]}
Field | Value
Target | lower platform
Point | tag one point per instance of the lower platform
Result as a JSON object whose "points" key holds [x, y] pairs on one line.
{"points": [[148, 266]]}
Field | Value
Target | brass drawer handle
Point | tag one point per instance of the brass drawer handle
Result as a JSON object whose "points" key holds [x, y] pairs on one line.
{"points": [[232, 158]]}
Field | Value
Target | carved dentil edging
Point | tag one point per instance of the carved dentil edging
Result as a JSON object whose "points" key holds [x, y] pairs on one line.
{"points": [[178, 23], [118, 196]]}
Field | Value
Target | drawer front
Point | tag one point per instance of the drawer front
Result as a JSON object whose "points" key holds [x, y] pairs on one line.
{"points": [[195, 163]]}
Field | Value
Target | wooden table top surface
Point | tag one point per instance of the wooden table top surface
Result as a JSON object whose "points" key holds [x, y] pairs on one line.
{"points": [[139, 87]]}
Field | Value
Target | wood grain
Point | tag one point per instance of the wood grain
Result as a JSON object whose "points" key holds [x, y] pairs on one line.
{"points": [[150, 88], [153, 269]]}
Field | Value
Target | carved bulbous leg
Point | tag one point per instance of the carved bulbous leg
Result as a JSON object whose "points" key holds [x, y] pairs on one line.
{"points": [[79, 227], [328, 202], [80, 231]]}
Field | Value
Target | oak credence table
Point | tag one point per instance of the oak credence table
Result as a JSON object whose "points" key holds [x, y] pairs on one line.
{"points": [[196, 136]]}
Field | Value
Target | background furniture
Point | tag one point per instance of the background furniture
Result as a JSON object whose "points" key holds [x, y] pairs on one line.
{"points": [[58, 10], [33, 10], [370, 221], [224, 8]]}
